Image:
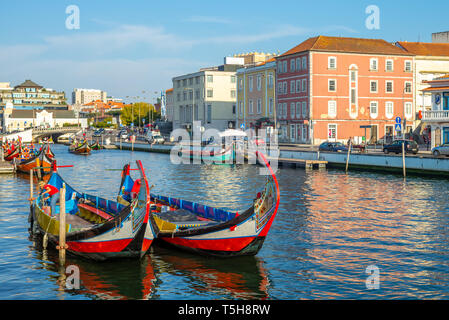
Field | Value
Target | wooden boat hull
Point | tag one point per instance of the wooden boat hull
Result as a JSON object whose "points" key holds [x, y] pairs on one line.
{"points": [[41, 161], [216, 232], [222, 156], [127, 234], [83, 149], [12, 155]]}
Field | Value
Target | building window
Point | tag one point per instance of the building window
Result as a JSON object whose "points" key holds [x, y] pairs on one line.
{"points": [[240, 84], [304, 63], [270, 106], [332, 85], [373, 109], [389, 86], [292, 133], [353, 75], [210, 78], [304, 85], [332, 108], [389, 109], [298, 86], [298, 110], [285, 88], [373, 86], [210, 93], [292, 65], [373, 63], [280, 88], [408, 87], [408, 66], [284, 66], [353, 96], [270, 80], [298, 64], [250, 83], [285, 110], [332, 63], [304, 110], [259, 106], [259, 82], [408, 109], [332, 131], [241, 108], [250, 108], [389, 65], [232, 79], [233, 94], [292, 86], [292, 110], [279, 67]]}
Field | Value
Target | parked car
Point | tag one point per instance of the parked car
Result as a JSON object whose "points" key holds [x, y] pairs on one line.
{"points": [[123, 134], [333, 147], [441, 150], [99, 132], [410, 146]]}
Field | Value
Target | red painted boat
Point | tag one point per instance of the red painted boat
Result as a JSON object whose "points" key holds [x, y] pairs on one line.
{"points": [[41, 163], [213, 231], [11, 154], [97, 228]]}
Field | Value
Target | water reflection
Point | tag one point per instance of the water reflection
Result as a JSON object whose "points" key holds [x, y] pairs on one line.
{"points": [[330, 227]]}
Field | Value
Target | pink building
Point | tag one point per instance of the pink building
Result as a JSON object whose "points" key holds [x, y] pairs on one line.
{"points": [[328, 87]]}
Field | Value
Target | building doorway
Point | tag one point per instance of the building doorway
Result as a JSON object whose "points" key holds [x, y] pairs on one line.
{"points": [[373, 138], [437, 139]]}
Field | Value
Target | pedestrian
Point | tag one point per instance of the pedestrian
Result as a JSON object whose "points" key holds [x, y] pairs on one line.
{"points": [[53, 195]]}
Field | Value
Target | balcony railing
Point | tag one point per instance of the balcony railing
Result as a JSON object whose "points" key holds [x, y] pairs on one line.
{"points": [[436, 115]]}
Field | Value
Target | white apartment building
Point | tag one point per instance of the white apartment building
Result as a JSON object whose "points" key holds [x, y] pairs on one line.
{"points": [[208, 96], [83, 96], [431, 61]]}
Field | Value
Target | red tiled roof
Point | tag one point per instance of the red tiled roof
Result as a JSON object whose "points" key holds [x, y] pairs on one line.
{"points": [[425, 49], [435, 88], [350, 45]]}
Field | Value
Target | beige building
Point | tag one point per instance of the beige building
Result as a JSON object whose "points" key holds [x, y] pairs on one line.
{"points": [[83, 96], [256, 95], [208, 96], [431, 61]]}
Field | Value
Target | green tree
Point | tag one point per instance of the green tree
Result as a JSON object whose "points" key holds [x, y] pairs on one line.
{"points": [[139, 112]]}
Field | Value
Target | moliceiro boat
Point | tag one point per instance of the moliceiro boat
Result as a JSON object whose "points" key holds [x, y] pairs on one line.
{"points": [[41, 162], [81, 148], [97, 228], [212, 231]]}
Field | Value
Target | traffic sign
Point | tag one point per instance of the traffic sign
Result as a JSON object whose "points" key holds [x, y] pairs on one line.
{"points": [[397, 127], [398, 120], [242, 126]]}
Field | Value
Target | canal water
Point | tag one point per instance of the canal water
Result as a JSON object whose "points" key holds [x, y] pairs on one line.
{"points": [[331, 231]]}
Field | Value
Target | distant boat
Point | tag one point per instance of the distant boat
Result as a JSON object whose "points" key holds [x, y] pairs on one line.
{"points": [[80, 148], [96, 146]]}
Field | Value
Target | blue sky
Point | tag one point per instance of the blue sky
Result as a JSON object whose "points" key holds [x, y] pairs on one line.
{"points": [[126, 47]]}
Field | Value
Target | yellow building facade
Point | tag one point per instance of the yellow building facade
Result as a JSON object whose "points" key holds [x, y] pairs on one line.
{"points": [[256, 96]]}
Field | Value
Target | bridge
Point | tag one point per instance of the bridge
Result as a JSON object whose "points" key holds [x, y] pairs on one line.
{"points": [[37, 133]]}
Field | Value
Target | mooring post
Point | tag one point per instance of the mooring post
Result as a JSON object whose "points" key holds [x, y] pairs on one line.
{"points": [[31, 186], [349, 153], [62, 227], [403, 159]]}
